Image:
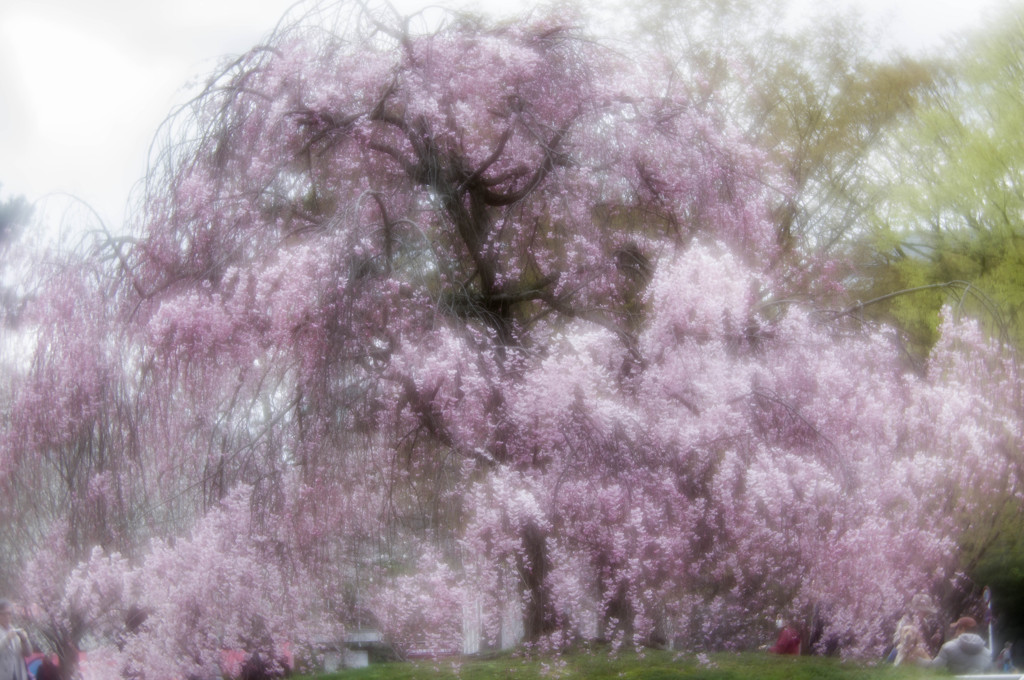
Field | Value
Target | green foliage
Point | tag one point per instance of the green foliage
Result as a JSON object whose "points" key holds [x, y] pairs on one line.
{"points": [[952, 183], [1001, 567], [654, 665]]}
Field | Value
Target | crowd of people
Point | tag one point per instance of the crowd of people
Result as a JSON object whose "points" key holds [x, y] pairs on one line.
{"points": [[963, 652], [958, 648]]}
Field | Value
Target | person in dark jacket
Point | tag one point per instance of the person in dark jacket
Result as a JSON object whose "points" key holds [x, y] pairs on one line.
{"points": [[48, 670], [966, 652]]}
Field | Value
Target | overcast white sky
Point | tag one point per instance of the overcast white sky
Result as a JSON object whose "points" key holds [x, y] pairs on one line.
{"points": [[85, 83]]}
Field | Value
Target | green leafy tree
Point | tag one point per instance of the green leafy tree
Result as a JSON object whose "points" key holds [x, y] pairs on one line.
{"points": [[952, 216], [1001, 567]]}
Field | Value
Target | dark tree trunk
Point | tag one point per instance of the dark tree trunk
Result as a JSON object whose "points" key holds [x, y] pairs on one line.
{"points": [[539, 618]]}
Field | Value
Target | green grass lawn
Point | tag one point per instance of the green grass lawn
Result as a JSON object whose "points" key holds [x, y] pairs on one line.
{"points": [[655, 665]]}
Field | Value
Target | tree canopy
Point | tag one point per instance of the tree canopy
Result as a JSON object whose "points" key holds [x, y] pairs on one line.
{"points": [[949, 208]]}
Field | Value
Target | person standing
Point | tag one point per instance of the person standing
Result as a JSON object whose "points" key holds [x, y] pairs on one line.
{"points": [[1004, 662], [788, 641], [918, 616], [14, 645]]}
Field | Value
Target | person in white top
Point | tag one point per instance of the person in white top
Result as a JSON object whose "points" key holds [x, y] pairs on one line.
{"points": [[14, 645]]}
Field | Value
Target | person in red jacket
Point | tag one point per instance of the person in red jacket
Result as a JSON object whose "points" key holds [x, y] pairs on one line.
{"points": [[788, 641]]}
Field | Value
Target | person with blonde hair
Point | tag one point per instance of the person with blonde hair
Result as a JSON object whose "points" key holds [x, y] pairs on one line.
{"points": [[14, 646], [910, 648], [907, 645]]}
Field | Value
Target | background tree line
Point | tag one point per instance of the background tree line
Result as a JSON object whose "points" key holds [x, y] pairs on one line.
{"points": [[904, 174]]}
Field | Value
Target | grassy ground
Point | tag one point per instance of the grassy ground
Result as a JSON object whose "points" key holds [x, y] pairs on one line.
{"points": [[654, 665]]}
